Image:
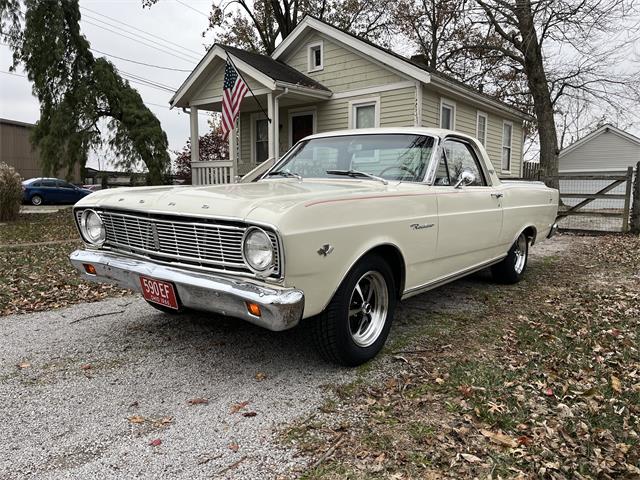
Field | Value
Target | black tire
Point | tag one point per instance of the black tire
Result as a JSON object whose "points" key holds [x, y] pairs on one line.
{"points": [[332, 330], [511, 269], [36, 200]]}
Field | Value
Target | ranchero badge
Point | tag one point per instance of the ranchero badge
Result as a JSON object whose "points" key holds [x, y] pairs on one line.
{"points": [[325, 250], [420, 226]]}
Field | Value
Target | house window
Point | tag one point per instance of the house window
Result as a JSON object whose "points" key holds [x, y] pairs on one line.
{"points": [[507, 135], [447, 114], [262, 140], [481, 128], [315, 57], [364, 113]]}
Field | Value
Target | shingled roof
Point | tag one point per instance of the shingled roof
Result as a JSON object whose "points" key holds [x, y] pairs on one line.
{"points": [[275, 69]]}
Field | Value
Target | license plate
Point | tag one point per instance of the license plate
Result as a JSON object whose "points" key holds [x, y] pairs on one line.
{"points": [[159, 291]]}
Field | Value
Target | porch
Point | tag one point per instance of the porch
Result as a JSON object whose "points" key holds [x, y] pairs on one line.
{"points": [[280, 109]]}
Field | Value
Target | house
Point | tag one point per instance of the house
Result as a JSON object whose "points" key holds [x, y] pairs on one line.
{"points": [[16, 150], [321, 78], [607, 150]]}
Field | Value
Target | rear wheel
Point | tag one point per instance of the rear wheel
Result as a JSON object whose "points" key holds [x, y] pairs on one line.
{"points": [[355, 325], [36, 200], [511, 269]]}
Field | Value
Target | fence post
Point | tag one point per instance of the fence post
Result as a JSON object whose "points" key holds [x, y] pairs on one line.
{"points": [[635, 209], [627, 200]]}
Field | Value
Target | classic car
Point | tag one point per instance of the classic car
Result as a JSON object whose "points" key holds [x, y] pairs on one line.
{"points": [[344, 226]]}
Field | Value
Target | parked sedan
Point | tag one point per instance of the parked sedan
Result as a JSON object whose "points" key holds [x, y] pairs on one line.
{"points": [[37, 191]]}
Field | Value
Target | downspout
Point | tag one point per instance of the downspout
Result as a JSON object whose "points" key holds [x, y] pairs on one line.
{"points": [[276, 122]]}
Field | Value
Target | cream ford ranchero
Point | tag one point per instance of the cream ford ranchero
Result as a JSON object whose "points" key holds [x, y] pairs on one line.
{"points": [[343, 227]]}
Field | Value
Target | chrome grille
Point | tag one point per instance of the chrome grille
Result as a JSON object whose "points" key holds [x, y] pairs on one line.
{"points": [[174, 239]]}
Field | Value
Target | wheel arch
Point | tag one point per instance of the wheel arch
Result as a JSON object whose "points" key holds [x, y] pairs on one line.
{"points": [[531, 232]]}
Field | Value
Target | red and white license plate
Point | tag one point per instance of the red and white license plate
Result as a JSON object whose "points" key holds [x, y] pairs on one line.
{"points": [[159, 291]]}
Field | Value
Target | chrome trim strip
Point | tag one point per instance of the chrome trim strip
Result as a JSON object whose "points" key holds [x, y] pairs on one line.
{"points": [[282, 308], [449, 278]]}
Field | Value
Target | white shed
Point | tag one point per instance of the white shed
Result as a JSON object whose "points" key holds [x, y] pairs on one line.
{"points": [[605, 151]]}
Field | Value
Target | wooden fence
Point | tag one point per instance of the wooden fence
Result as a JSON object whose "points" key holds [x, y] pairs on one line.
{"points": [[597, 188]]}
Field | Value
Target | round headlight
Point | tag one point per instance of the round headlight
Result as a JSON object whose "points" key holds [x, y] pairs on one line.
{"points": [[257, 249], [92, 228]]}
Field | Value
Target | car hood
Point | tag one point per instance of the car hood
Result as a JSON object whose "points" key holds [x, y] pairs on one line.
{"points": [[231, 200]]}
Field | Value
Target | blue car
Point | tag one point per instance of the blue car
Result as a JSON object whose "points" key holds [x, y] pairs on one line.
{"points": [[37, 191]]}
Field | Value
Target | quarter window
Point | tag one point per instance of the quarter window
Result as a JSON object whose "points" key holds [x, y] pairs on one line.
{"points": [[458, 157], [507, 135]]}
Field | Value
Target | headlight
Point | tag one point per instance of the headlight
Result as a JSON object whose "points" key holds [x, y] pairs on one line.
{"points": [[92, 228], [257, 249]]}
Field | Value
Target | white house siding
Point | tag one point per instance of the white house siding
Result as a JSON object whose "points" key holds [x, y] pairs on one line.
{"points": [[605, 152], [343, 69], [465, 122]]}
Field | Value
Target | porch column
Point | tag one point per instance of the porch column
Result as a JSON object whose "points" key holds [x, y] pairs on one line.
{"points": [[272, 126], [195, 138]]}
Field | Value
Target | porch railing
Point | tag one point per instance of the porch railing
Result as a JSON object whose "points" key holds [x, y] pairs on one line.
{"points": [[212, 172]]}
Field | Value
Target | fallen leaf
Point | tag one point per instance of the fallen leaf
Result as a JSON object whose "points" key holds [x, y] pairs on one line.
{"points": [[198, 401], [249, 414], [86, 366], [439, 381], [24, 365], [136, 419], [470, 458], [615, 384], [235, 408], [260, 376], [549, 392], [233, 446], [155, 443], [500, 438]]}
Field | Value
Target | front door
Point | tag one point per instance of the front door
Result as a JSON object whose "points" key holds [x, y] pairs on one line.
{"points": [[469, 217], [301, 126]]}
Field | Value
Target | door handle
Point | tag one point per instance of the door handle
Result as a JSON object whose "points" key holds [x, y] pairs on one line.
{"points": [[497, 195]]}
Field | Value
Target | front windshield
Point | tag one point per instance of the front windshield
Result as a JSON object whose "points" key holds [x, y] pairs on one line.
{"points": [[398, 157]]}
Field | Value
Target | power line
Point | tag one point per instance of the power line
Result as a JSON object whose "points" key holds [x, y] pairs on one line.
{"points": [[139, 63], [140, 30], [185, 59], [138, 36], [192, 8]]}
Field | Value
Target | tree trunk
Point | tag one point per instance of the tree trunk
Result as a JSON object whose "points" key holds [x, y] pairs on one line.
{"points": [[539, 87]]}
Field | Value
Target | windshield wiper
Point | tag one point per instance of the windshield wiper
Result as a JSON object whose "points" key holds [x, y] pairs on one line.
{"points": [[285, 173], [356, 174]]}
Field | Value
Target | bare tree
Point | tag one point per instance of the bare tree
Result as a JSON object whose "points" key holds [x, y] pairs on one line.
{"points": [[260, 25]]}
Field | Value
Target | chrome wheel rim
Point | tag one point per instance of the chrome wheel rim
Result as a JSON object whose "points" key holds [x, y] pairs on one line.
{"points": [[368, 308], [36, 200], [521, 254]]}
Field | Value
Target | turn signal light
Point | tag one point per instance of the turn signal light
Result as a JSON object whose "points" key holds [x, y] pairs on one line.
{"points": [[254, 309], [90, 269]]}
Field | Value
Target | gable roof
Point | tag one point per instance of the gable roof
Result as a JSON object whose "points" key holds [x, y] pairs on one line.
{"points": [[606, 128], [394, 60], [271, 73], [274, 68]]}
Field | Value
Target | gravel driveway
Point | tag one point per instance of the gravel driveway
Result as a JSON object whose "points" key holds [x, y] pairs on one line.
{"points": [[85, 391]]}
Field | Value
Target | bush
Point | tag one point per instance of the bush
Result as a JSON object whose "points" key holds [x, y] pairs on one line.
{"points": [[10, 193]]}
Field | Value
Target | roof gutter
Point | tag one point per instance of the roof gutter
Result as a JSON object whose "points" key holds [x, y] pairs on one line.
{"points": [[310, 92]]}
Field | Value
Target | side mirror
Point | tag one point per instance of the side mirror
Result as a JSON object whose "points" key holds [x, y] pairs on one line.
{"points": [[466, 178]]}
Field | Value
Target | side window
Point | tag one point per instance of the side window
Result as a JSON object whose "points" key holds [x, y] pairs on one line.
{"points": [[460, 157], [49, 183], [36, 184], [62, 184]]}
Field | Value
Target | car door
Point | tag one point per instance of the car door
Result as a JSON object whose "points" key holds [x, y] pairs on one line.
{"points": [[49, 189], [469, 216], [68, 193]]}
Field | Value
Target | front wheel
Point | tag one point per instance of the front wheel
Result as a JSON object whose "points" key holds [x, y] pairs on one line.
{"points": [[356, 323], [511, 269], [36, 200]]}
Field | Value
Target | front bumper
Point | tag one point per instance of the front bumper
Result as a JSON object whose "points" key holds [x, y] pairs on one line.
{"points": [[281, 307]]}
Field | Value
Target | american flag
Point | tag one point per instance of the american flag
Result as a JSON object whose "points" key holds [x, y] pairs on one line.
{"points": [[234, 90]]}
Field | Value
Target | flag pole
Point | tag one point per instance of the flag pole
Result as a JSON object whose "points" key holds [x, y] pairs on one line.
{"points": [[245, 82]]}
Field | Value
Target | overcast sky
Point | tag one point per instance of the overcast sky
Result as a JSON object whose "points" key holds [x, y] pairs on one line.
{"points": [[178, 43]]}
